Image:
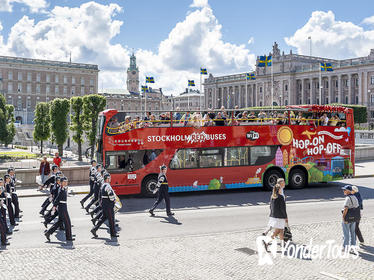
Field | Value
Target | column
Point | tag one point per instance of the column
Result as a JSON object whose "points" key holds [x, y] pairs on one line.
{"points": [[302, 93], [349, 89], [311, 92], [359, 77], [329, 89], [340, 89], [365, 88]]}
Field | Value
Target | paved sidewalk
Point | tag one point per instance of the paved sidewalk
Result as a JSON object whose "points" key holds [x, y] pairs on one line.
{"points": [[230, 255], [364, 169], [31, 192]]}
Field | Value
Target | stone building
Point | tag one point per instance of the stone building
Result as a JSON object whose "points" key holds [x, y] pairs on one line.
{"points": [[296, 80], [24, 82], [190, 99]]}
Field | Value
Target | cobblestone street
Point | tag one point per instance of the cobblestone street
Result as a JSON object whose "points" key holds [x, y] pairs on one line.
{"points": [[229, 255]]}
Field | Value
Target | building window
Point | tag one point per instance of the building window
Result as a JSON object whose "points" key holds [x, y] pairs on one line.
{"points": [[372, 114], [356, 82], [38, 77], [346, 83], [91, 82], [28, 102], [82, 90], [19, 87], [19, 103], [38, 88], [72, 90], [336, 99], [82, 81], [19, 76], [285, 87], [65, 90], [73, 80], [356, 99], [56, 79], [91, 90], [260, 89], [28, 88], [372, 80], [10, 87], [48, 78], [326, 100], [48, 89], [346, 100], [326, 84], [29, 76], [65, 79], [56, 89], [309, 86], [336, 83]]}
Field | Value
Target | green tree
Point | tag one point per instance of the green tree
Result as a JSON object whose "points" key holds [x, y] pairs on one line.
{"points": [[42, 124], [58, 112], [77, 119], [93, 104], [10, 128]]}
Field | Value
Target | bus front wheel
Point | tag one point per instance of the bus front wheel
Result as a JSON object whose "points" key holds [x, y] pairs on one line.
{"points": [[149, 185], [270, 179], [297, 179]]}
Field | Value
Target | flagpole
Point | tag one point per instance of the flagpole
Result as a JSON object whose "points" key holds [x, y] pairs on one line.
{"points": [[320, 84], [145, 99], [200, 91], [272, 84]]}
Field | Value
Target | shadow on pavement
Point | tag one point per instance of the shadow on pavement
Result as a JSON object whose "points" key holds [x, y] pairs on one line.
{"points": [[241, 197], [367, 253]]}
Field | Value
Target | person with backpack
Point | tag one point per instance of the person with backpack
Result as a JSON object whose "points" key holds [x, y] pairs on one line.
{"points": [[350, 214]]}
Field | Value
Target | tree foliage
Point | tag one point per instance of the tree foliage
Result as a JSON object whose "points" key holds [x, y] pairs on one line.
{"points": [[7, 128], [58, 111], [93, 104], [77, 125], [42, 129]]}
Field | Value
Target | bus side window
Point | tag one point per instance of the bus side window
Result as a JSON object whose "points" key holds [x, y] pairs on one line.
{"points": [[260, 155], [184, 158]]}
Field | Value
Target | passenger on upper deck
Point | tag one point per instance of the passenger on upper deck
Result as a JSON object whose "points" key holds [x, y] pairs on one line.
{"points": [[177, 115], [220, 120]]}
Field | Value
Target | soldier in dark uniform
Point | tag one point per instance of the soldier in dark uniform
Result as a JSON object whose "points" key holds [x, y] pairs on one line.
{"points": [[17, 211], [50, 182], [3, 225], [163, 192], [98, 182], [50, 216], [3, 208], [60, 203], [8, 189], [92, 182], [98, 207], [107, 201]]}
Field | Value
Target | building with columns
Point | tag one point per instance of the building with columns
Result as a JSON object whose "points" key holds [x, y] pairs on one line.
{"points": [[296, 80], [190, 99], [25, 82]]}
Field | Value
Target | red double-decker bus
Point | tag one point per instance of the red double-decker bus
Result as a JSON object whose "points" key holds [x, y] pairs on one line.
{"points": [[227, 150]]}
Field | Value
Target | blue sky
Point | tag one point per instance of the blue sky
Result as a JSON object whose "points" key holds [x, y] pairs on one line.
{"points": [[144, 24]]}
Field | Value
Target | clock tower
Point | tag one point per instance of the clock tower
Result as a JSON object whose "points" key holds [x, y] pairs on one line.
{"points": [[133, 75]]}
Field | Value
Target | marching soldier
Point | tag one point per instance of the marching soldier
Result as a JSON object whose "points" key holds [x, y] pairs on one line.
{"points": [[98, 182], [49, 217], [14, 196], [60, 203], [50, 182], [163, 192], [92, 182], [8, 186], [3, 225], [107, 201], [98, 207]]}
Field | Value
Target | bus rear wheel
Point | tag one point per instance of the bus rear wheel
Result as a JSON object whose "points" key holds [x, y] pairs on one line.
{"points": [[270, 179], [297, 179], [149, 185]]}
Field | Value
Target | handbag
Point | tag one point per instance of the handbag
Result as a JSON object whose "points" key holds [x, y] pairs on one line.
{"points": [[287, 235], [353, 214]]}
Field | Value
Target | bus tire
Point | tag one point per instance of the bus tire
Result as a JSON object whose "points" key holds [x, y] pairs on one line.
{"points": [[297, 179], [148, 185], [270, 179]]}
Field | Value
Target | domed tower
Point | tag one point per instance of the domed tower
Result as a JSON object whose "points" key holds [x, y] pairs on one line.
{"points": [[133, 75]]}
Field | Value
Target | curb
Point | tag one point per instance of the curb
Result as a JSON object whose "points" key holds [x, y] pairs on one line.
{"points": [[363, 176]]}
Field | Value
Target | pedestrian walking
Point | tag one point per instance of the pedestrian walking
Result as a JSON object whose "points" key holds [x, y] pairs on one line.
{"points": [[8, 186], [44, 170], [163, 192], [60, 204], [107, 201], [92, 182], [357, 194], [57, 160], [350, 214], [278, 214]]}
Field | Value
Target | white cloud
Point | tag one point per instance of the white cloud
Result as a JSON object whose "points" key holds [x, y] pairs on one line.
{"points": [[368, 20], [199, 4], [251, 41], [35, 6], [332, 38], [87, 32]]}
